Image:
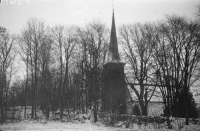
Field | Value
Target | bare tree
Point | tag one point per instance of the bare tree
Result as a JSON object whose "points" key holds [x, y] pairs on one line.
{"points": [[24, 52], [45, 61], [94, 43], [58, 35], [32, 37], [6, 59], [70, 42], [138, 46], [178, 57]]}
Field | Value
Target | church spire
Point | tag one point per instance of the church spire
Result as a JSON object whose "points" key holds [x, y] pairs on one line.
{"points": [[113, 41]]}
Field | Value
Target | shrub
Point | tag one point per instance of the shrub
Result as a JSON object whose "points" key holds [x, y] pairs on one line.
{"points": [[136, 110]]}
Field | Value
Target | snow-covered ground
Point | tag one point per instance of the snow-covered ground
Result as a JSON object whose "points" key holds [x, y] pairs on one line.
{"points": [[84, 122], [191, 127], [42, 125], [53, 126]]}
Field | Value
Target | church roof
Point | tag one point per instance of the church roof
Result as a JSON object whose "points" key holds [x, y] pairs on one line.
{"points": [[113, 41]]}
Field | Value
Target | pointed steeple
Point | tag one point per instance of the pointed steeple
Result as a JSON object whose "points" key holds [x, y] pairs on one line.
{"points": [[113, 41]]}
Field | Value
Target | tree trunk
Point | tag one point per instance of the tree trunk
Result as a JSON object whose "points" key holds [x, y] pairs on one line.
{"points": [[36, 83], [95, 112], [82, 101], [186, 113], [33, 90], [186, 105], [86, 101], [168, 108], [6, 106], [143, 108], [61, 106], [47, 104], [26, 86], [26, 96], [61, 81], [46, 96], [2, 106], [186, 90], [66, 83], [82, 86], [144, 112]]}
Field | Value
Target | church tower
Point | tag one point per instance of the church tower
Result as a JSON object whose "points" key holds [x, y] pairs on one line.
{"points": [[113, 47], [114, 90]]}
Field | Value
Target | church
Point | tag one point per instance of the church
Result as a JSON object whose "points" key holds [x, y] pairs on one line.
{"points": [[117, 97], [115, 92]]}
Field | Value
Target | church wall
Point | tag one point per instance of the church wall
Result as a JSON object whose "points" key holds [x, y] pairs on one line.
{"points": [[154, 108]]}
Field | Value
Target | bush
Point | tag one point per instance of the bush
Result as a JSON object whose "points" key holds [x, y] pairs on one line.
{"points": [[136, 110], [179, 106]]}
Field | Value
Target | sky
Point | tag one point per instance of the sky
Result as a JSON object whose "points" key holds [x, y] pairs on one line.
{"points": [[15, 13]]}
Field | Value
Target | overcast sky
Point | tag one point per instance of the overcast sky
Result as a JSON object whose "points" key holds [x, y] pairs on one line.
{"points": [[15, 13]]}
